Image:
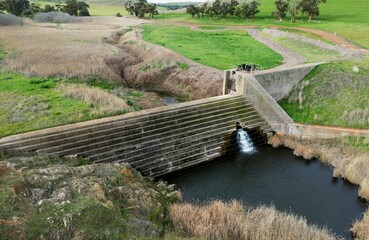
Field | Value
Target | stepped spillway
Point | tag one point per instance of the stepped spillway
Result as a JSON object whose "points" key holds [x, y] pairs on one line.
{"points": [[155, 141]]}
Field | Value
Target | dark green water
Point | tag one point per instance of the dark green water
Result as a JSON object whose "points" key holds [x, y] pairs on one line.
{"points": [[276, 176]]}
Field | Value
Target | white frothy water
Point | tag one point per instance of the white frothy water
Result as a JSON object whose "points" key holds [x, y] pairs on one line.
{"points": [[244, 141]]}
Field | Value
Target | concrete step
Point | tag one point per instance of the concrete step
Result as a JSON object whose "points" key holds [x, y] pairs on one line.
{"points": [[155, 149], [158, 140], [63, 150], [94, 125], [126, 129]]}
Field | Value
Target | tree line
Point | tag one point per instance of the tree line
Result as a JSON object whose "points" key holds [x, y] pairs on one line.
{"points": [[25, 8], [141, 8], [249, 8]]}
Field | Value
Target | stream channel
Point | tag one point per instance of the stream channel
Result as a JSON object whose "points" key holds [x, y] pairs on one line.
{"points": [[276, 177]]}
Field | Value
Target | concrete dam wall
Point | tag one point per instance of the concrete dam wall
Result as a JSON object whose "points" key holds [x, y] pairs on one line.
{"points": [[155, 141]]}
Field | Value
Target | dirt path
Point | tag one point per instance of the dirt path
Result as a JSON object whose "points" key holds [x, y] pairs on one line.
{"points": [[337, 40]]}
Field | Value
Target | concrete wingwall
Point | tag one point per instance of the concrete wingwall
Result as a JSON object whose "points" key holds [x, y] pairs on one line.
{"points": [[280, 83]]}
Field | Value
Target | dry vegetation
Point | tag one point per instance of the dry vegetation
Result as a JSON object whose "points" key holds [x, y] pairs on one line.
{"points": [[84, 50], [349, 162], [233, 221], [156, 68], [103, 102]]}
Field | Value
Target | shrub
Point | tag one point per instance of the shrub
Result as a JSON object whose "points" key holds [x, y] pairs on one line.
{"points": [[9, 19], [55, 17], [118, 15]]}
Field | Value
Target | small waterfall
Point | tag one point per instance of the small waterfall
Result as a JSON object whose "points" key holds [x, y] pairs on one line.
{"points": [[244, 141]]}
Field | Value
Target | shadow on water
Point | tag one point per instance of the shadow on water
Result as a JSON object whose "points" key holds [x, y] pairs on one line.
{"points": [[277, 177]]}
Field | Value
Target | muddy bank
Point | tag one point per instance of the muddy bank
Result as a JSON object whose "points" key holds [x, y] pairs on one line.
{"points": [[348, 162]]}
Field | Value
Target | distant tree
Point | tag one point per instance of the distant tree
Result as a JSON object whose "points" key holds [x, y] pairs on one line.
{"points": [[238, 11], [253, 8], [49, 8], [234, 4], [71, 7], [2, 7], [83, 9], [210, 12], [294, 8], [203, 9], [216, 7], [151, 10], [140, 8], [224, 9], [245, 10], [311, 7], [282, 8], [59, 7], [193, 10], [15, 7]]}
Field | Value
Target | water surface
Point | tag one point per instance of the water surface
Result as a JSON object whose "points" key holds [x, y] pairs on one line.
{"points": [[276, 176]]}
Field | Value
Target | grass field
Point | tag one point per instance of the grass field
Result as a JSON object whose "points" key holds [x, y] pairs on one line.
{"points": [[96, 9], [222, 50], [332, 94], [348, 19]]}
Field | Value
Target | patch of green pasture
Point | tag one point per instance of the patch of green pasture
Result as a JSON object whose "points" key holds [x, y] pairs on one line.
{"points": [[209, 27], [28, 104], [329, 93], [2, 53], [96, 9], [222, 50], [311, 52], [348, 19]]}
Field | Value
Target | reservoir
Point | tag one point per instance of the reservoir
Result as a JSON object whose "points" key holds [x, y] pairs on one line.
{"points": [[274, 176]]}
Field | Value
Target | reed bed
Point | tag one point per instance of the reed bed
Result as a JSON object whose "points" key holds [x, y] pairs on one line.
{"points": [[103, 102], [233, 221], [349, 162]]}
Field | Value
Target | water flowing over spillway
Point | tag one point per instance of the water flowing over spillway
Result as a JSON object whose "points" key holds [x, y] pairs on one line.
{"points": [[244, 141]]}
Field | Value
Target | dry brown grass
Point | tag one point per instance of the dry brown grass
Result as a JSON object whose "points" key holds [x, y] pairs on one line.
{"points": [[349, 163], [104, 102], [160, 69], [361, 228], [64, 50], [219, 220], [98, 48]]}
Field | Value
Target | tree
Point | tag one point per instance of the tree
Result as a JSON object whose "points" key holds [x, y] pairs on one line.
{"points": [[224, 9], [71, 7], [140, 8], [245, 10], [83, 9], [253, 8], [2, 7], [15, 7], [203, 9], [49, 8], [193, 10], [151, 10], [311, 7], [294, 8], [210, 11], [238, 11], [234, 4], [216, 7], [282, 8]]}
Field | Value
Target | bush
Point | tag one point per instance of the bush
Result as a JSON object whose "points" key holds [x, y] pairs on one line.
{"points": [[55, 17], [9, 19], [118, 15]]}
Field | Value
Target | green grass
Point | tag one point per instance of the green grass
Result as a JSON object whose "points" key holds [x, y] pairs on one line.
{"points": [[212, 27], [348, 19], [330, 92], [34, 103], [96, 9], [222, 50], [311, 52]]}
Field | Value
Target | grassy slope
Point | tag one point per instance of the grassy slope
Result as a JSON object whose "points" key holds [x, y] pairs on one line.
{"points": [[333, 91], [223, 50], [29, 104]]}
